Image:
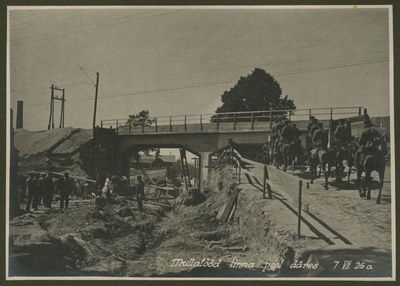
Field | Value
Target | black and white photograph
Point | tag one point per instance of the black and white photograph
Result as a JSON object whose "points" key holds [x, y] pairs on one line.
{"points": [[200, 143]]}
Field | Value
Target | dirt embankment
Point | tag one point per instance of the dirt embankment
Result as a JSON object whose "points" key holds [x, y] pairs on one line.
{"points": [[117, 240], [51, 150]]}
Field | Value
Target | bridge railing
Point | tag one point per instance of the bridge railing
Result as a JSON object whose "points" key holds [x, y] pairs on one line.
{"points": [[229, 121]]}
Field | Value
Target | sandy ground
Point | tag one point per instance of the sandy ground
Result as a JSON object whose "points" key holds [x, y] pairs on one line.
{"points": [[85, 240], [339, 226]]}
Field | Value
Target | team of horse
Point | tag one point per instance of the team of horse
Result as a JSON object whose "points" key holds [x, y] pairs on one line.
{"points": [[340, 156]]}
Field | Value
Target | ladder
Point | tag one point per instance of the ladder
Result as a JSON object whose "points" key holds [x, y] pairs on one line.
{"points": [[146, 177], [185, 168]]}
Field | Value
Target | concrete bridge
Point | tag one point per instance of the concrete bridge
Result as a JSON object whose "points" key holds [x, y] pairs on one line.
{"points": [[204, 135]]}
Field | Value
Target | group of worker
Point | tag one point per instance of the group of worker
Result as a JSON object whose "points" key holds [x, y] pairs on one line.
{"points": [[42, 188], [106, 187]]}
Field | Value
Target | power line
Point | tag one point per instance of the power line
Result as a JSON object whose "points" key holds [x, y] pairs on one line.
{"points": [[92, 24], [240, 67], [95, 28], [241, 55], [227, 81]]}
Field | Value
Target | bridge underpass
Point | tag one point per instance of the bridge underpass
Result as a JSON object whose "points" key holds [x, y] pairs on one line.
{"points": [[200, 144]]}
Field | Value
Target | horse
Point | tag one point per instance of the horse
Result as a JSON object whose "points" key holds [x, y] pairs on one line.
{"points": [[371, 159], [341, 153], [289, 152], [323, 157]]}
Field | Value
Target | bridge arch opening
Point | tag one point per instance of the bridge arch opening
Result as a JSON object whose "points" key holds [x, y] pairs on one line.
{"points": [[161, 162]]}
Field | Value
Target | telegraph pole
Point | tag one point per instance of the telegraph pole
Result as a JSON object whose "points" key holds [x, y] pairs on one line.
{"points": [[53, 97], [95, 100]]}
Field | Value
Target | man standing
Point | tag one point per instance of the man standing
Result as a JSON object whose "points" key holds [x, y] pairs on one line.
{"points": [[48, 189], [140, 193], [32, 190], [65, 186], [100, 180]]}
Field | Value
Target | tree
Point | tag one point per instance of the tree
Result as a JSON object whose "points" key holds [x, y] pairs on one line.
{"points": [[255, 92], [141, 119]]}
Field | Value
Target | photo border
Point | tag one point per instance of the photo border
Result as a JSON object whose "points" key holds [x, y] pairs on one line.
{"points": [[106, 280]]}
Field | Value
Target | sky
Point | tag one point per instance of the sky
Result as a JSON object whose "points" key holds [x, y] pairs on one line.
{"points": [[179, 60]]}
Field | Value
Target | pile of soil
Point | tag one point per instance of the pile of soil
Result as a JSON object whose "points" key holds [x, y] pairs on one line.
{"points": [[51, 150], [83, 240]]}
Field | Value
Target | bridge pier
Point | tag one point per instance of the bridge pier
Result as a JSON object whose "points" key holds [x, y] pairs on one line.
{"points": [[205, 159], [123, 164]]}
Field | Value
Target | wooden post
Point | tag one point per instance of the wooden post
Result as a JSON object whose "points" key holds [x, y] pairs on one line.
{"points": [[156, 125], [252, 121], [264, 179], [331, 114], [266, 175], [201, 122], [309, 114], [234, 121], [117, 126], [359, 111], [170, 124], [240, 171], [299, 211], [217, 122], [185, 124]]}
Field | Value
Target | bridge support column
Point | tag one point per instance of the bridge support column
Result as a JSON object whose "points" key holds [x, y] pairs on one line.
{"points": [[123, 165], [204, 166]]}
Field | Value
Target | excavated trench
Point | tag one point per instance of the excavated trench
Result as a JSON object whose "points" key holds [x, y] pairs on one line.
{"points": [[115, 239]]}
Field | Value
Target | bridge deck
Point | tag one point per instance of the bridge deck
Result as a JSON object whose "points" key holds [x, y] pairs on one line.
{"points": [[251, 121]]}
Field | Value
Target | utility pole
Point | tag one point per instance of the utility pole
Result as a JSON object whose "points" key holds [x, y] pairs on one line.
{"points": [[62, 114], [95, 135], [95, 100]]}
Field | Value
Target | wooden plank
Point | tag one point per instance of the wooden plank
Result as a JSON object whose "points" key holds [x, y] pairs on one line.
{"points": [[229, 205], [74, 177]]}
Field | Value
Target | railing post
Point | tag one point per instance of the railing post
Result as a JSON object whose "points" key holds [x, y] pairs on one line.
{"points": [[234, 121], [117, 128], [359, 111], [143, 126], [156, 119], [217, 122], [201, 122], [170, 124], [270, 120], [290, 115], [252, 121], [309, 114], [185, 124], [101, 124], [299, 211], [331, 116]]}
